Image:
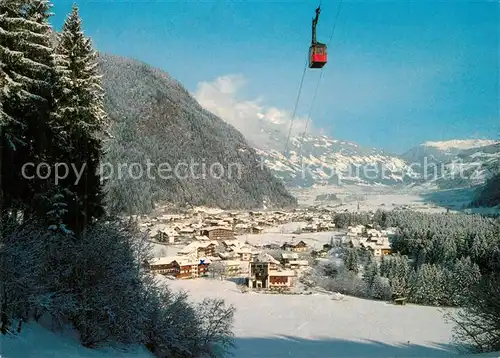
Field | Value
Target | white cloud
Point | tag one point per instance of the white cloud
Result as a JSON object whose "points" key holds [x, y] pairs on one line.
{"points": [[262, 125]]}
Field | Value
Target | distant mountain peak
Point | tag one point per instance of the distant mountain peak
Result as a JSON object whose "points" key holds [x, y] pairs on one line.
{"points": [[461, 144], [320, 159]]}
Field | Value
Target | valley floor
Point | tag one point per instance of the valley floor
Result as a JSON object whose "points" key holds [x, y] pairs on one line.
{"points": [[275, 326], [386, 198]]}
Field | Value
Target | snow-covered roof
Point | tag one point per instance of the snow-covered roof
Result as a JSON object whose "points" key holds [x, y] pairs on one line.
{"points": [[186, 261], [294, 243], [210, 228], [187, 229], [265, 257], [300, 262], [227, 254], [234, 242], [376, 245], [285, 273], [355, 242], [234, 263], [196, 245], [163, 260], [288, 256], [243, 250]]}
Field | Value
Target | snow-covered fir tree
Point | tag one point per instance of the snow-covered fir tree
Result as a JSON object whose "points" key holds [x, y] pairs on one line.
{"points": [[27, 78], [427, 285], [82, 100], [352, 260], [81, 117], [398, 272], [370, 271]]}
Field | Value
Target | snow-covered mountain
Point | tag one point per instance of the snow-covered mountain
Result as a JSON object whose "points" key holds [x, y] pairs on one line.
{"points": [[319, 159], [455, 163], [445, 150], [460, 144]]}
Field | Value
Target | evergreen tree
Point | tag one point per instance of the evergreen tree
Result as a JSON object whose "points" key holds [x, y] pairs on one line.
{"points": [[81, 117], [352, 260], [398, 275], [27, 76], [381, 288], [385, 266], [463, 275], [370, 272], [428, 285]]}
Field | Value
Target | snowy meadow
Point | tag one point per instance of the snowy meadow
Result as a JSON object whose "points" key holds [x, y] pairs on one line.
{"points": [[315, 325]]}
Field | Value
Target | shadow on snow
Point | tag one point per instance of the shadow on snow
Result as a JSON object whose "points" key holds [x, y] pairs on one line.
{"points": [[286, 346]]}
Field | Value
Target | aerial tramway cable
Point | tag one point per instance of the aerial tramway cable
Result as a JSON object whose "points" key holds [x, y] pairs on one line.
{"points": [[295, 107], [317, 87], [302, 82]]}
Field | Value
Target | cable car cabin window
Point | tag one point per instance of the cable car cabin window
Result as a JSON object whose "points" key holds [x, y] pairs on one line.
{"points": [[319, 51]]}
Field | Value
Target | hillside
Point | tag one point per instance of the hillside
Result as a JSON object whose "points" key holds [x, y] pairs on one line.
{"points": [[488, 195], [443, 150], [38, 342], [464, 168], [155, 119]]}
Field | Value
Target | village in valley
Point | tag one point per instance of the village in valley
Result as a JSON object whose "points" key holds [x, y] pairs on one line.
{"points": [[263, 251]]}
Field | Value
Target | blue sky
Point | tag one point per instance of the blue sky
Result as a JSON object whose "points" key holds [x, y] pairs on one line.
{"points": [[399, 73]]}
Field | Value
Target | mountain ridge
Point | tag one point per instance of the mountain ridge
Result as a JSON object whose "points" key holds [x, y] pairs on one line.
{"points": [[155, 119], [317, 159], [463, 144]]}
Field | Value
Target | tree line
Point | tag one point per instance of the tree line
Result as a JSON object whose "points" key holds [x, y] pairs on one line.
{"points": [[64, 261]]}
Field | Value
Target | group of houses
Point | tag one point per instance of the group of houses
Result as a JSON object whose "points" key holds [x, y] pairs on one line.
{"points": [[217, 244], [211, 248], [216, 252], [172, 229], [240, 222], [368, 238]]}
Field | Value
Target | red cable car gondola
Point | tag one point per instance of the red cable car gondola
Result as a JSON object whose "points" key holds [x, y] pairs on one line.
{"points": [[317, 50]]}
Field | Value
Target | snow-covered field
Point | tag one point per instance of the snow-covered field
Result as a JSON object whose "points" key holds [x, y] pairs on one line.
{"points": [[274, 326], [386, 198], [390, 201], [287, 228], [315, 239], [370, 200], [38, 342]]}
